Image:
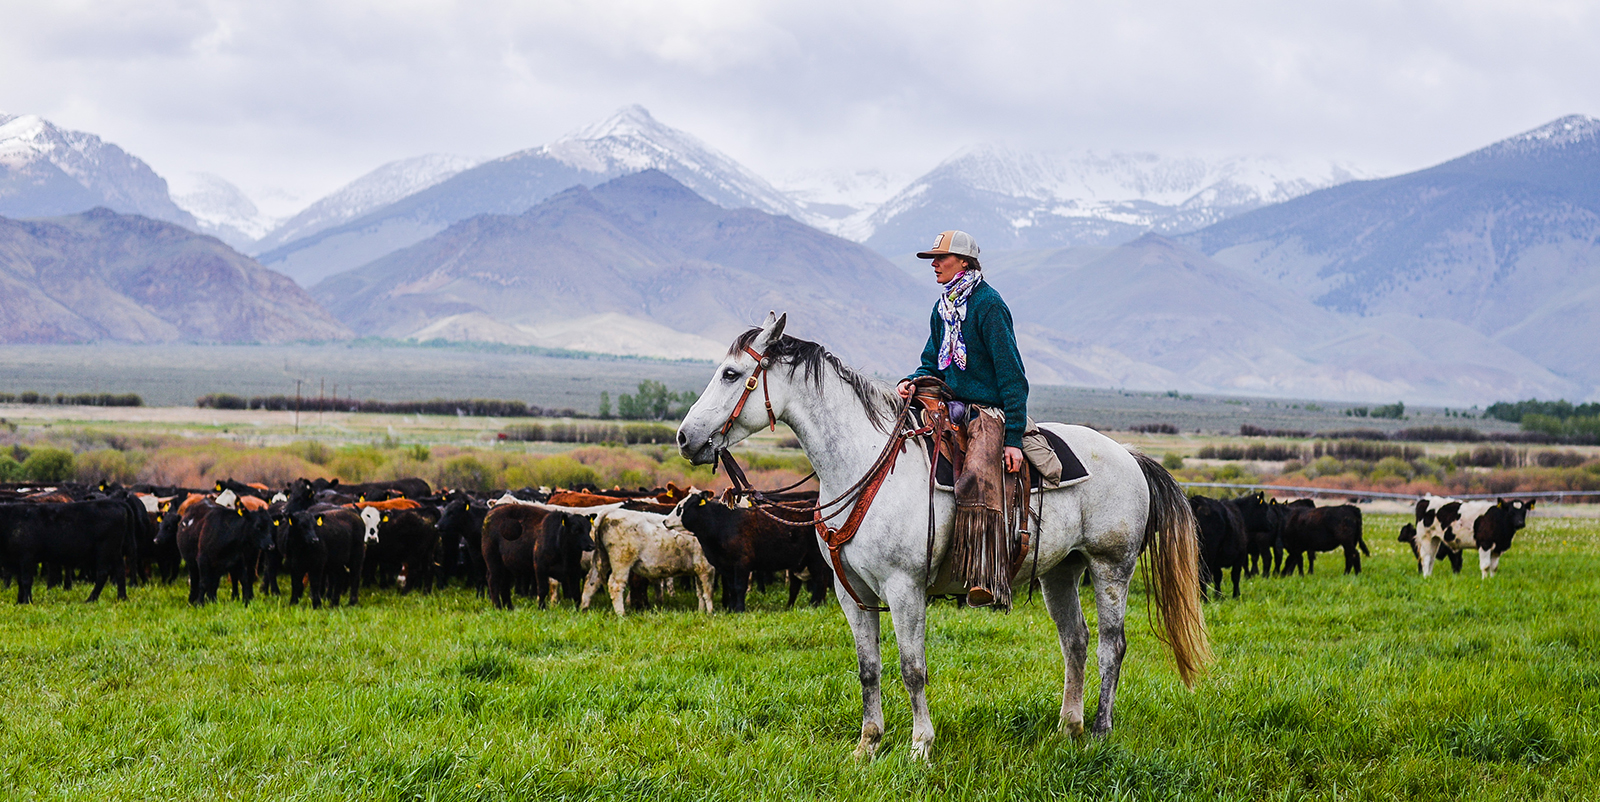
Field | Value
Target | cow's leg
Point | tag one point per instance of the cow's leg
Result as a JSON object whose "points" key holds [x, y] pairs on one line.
{"points": [[617, 586], [26, 571], [869, 668], [1236, 570], [705, 577], [1484, 560], [1111, 606], [794, 588], [197, 580], [1494, 564], [102, 572], [1427, 550], [1060, 590], [739, 589], [1455, 561], [1311, 562], [597, 575]]}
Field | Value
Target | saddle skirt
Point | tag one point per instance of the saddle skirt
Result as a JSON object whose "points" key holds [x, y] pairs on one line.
{"points": [[1072, 470]]}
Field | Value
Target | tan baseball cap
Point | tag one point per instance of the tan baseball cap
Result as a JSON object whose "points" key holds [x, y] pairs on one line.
{"points": [[953, 242]]}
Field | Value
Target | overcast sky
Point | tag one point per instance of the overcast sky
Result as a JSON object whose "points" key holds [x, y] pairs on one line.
{"points": [[303, 95]]}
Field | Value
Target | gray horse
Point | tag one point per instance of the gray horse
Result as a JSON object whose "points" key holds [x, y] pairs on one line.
{"points": [[1128, 505]]}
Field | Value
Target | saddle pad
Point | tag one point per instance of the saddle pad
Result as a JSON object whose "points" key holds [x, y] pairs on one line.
{"points": [[1072, 470]]}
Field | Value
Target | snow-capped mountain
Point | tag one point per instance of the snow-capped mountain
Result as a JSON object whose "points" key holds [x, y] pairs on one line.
{"points": [[1013, 199], [221, 209], [48, 170], [630, 141], [376, 189], [1504, 240], [841, 201]]}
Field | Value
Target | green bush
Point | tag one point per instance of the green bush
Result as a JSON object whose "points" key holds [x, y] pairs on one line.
{"points": [[1172, 461], [10, 469], [48, 464], [108, 465], [311, 451], [465, 473]]}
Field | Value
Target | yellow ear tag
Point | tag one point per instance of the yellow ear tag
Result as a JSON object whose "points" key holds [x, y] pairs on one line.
{"points": [[276, 522], [385, 519], [240, 511], [319, 520], [701, 503]]}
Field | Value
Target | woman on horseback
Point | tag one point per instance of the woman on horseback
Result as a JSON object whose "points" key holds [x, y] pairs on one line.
{"points": [[972, 346]]}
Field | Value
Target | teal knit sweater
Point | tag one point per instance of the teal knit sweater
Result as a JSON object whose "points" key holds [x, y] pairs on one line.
{"points": [[994, 375]]}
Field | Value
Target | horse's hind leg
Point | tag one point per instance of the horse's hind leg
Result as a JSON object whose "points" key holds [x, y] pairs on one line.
{"points": [[1111, 607], [1060, 589]]}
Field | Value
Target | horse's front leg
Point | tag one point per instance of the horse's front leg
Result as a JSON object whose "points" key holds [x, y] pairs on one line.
{"points": [[1111, 606], [869, 667], [908, 606]]}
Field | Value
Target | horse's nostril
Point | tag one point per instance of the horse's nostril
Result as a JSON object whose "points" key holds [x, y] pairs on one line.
{"points": [[683, 439]]}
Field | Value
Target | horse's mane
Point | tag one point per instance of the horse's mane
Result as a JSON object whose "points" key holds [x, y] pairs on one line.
{"points": [[876, 399]]}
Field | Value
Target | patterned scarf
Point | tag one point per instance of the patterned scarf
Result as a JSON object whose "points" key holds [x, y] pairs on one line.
{"points": [[953, 310]]}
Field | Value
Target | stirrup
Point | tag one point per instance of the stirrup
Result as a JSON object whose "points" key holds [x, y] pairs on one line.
{"points": [[979, 597]]}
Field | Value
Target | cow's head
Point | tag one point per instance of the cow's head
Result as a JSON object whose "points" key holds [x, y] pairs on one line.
{"points": [[371, 518]]}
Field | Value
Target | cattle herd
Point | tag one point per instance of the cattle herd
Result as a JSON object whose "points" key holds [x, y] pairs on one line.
{"points": [[331, 540], [1257, 535]]}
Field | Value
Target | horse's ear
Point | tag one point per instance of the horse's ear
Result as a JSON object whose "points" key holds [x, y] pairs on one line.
{"points": [[771, 330]]}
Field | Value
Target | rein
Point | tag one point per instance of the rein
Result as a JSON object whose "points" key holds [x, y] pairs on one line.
{"points": [[859, 494]]}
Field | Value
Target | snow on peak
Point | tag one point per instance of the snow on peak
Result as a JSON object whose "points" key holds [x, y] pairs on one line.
{"points": [[631, 140], [219, 205], [1572, 129], [385, 185]]}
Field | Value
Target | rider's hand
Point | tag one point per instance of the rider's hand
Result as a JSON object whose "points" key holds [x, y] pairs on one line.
{"points": [[904, 389], [1013, 459]]}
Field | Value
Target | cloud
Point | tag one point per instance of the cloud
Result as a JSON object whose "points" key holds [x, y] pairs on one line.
{"points": [[306, 95]]}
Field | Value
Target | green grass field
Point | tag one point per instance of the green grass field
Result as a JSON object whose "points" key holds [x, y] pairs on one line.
{"points": [[1380, 686]]}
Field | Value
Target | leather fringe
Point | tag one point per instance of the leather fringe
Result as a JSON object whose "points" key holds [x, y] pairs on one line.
{"points": [[982, 552]]}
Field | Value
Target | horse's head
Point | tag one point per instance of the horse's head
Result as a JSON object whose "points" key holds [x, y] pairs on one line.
{"points": [[716, 422]]}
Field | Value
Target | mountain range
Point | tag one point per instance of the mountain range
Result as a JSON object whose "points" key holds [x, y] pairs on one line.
{"points": [[1470, 281], [641, 255], [101, 275]]}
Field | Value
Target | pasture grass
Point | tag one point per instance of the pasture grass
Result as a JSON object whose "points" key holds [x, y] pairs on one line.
{"points": [[1380, 686]]}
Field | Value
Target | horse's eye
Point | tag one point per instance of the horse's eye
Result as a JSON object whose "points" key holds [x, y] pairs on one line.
{"points": [[729, 375]]}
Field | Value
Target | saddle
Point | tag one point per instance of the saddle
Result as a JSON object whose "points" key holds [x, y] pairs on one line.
{"points": [[991, 536]]}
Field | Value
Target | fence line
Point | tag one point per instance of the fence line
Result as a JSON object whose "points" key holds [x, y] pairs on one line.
{"points": [[1333, 491]]}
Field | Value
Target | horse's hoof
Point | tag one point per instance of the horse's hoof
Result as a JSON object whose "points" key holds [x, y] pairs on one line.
{"points": [[922, 750], [867, 747], [1073, 729]]}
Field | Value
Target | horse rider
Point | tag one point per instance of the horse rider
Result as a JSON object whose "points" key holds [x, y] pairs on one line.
{"points": [[972, 346]]}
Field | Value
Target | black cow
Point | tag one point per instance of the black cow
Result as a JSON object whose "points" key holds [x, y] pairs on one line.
{"points": [[1263, 526], [375, 491], [407, 539], [531, 546], [740, 541], [1309, 530], [242, 489], [95, 535], [323, 547], [461, 539], [214, 539], [1223, 542], [1494, 529]]}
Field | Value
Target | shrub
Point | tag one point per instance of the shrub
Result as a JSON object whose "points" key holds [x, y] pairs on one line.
{"points": [[1365, 450], [221, 401], [1440, 434], [418, 452], [466, 473], [311, 451], [108, 465], [1247, 430], [1153, 428], [1492, 457], [48, 464], [1172, 461], [1559, 459], [10, 469]]}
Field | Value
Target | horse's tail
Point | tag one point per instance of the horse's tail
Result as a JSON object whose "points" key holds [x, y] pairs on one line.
{"points": [[1171, 540]]}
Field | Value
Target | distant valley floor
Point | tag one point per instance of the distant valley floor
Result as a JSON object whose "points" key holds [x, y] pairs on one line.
{"points": [[175, 375]]}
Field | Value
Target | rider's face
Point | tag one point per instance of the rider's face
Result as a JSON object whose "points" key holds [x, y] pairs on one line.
{"points": [[946, 266]]}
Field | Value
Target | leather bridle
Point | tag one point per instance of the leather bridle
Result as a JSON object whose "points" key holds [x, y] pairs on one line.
{"points": [[749, 387], [860, 494]]}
